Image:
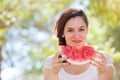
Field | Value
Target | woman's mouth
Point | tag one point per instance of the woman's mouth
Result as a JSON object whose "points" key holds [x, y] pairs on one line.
{"points": [[77, 41]]}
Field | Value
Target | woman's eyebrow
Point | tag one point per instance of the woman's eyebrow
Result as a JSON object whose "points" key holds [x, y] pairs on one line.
{"points": [[82, 27], [69, 28], [79, 27]]}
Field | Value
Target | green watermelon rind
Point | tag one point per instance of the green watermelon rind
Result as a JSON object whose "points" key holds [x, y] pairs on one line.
{"points": [[78, 62]]}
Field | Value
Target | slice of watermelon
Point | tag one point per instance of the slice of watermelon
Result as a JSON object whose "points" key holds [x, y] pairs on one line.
{"points": [[78, 56]]}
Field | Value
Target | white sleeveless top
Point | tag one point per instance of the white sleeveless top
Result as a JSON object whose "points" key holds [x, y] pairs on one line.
{"points": [[90, 74]]}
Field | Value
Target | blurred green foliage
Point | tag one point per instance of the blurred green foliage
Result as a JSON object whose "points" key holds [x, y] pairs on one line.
{"points": [[107, 12]]}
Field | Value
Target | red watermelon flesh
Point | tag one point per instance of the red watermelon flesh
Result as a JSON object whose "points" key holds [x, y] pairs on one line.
{"points": [[79, 56]]}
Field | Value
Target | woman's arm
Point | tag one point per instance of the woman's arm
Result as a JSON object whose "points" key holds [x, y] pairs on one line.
{"points": [[50, 75], [46, 73], [108, 74], [57, 64]]}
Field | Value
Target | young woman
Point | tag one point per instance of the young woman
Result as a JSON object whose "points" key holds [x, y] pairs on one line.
{"points": [[72, 30]]}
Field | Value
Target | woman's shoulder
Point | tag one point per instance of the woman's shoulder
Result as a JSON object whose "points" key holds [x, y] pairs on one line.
{"points": [[108, 58], [105, 53], [48, 62], [49, 57]]}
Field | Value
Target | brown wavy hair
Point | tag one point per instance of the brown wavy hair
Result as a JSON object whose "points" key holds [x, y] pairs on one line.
{"points": [[65, 16]]}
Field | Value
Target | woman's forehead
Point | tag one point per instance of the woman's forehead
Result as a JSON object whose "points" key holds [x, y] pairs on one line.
{"points": [[75, 22]]}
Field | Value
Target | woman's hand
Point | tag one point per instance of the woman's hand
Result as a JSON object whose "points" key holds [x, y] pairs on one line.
{"points": [[57, 62], [99, 60]]}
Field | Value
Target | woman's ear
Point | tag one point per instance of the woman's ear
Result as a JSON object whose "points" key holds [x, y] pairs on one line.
{"points": [[63, 35]]}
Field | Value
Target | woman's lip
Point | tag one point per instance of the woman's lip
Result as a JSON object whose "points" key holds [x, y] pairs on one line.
{"points": [[76, 41]]}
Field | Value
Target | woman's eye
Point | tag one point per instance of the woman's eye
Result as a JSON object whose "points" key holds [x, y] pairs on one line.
{"points": [[70, 30], [82, 29]]}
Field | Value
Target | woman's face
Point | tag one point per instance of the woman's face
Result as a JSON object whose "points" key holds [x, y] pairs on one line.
{"points": [[75, 32]]}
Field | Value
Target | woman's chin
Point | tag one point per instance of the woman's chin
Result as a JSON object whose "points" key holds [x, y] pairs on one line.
{"points": [[77, 46]]}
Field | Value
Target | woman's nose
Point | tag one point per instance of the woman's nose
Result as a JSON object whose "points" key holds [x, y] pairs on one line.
{"points": [[77, 35]]}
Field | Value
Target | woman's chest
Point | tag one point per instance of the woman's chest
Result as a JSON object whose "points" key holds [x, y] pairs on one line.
{"points": [[90, 74]]}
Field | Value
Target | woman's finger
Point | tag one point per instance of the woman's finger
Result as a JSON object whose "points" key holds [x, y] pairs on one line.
{"points": [[57, 54], [99, 60], [55, 57]]}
